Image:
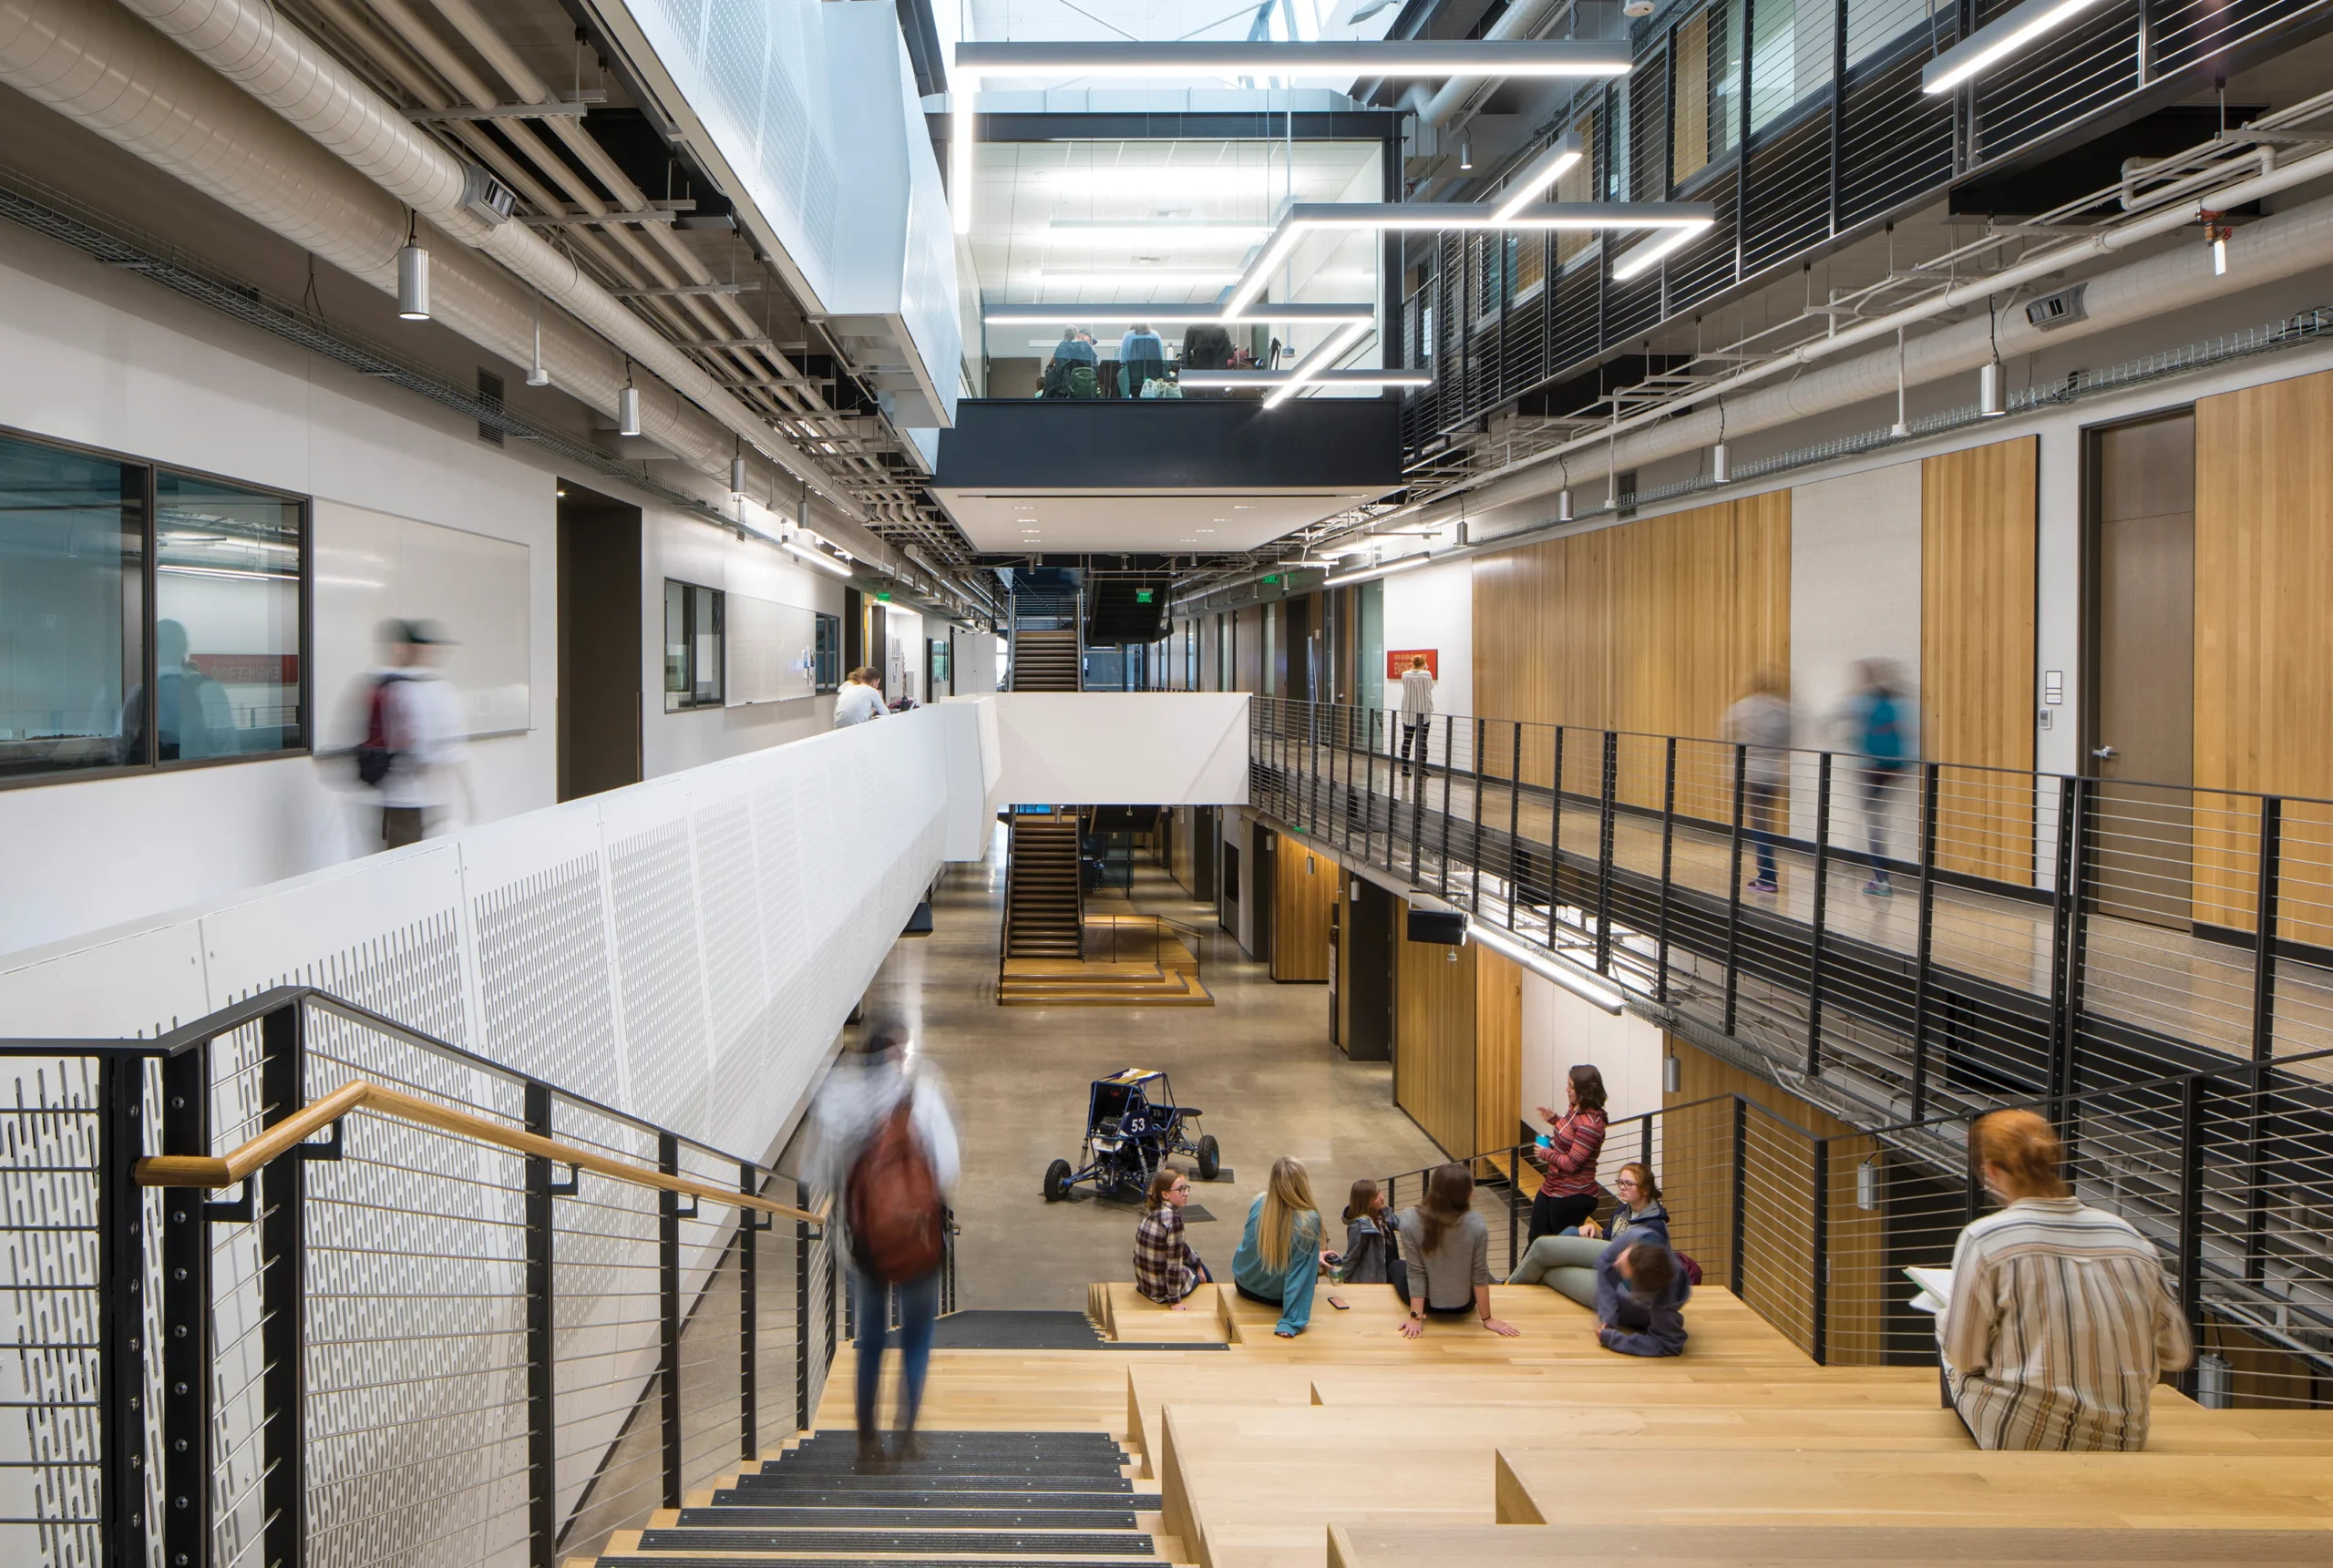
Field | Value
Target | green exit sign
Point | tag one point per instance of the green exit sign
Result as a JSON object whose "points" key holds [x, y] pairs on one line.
{"points": [[883, 593], [1274, 577], [1142, 596]]}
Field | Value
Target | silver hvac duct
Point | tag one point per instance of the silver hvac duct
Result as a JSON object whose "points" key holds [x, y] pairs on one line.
{"points": [[1518, 21], [2274, 248], [115, 75]]}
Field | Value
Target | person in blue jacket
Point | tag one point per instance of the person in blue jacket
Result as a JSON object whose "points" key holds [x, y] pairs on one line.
{"points": [[1279, 1253], [1876, 723], [1640, 1291]]}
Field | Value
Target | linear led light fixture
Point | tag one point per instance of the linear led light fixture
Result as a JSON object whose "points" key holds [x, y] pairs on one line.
{"points": [[1364, 574], [1307, 369], [1406, 59], [816, 557], [1586, 984], [1220, 380], [1207, 312], [1157, 230], [1689, 217], [1543, 172], [1651, 254], [1997, 40]]}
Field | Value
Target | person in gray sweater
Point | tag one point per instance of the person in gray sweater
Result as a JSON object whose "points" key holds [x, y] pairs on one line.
{"points": [[1447, 1249]]}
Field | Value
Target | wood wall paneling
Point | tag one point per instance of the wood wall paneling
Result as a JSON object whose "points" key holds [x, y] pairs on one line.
{"points": [[2264, 647], [1499, 1055], [1248, 649], [1653, 628], [1694, 1160], [1976, 685], [1304, 893], [1434, 1041]]}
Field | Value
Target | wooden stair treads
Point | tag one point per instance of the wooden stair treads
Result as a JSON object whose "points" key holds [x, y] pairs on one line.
{"points": [[1123, 1313], [1046, 661], [1972, 1489], [1045, 903], [1588, 1537]]}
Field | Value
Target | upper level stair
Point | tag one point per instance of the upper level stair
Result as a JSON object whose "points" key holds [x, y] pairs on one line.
{"points": [[1047, 661]]}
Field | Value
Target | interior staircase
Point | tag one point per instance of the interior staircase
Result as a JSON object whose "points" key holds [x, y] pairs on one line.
{"points": [[1045, 896], [974, 1497], [1158, 969], [1047, 661]]}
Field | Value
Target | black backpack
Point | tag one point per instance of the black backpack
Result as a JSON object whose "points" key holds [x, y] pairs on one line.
{"points": [[375, 755]]}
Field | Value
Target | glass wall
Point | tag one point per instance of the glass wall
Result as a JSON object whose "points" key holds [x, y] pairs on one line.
{"points": [[94, 672]]}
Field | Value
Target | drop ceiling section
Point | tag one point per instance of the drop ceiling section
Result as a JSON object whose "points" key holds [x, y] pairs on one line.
{"points": [[1099, 224], [1181, 523]]}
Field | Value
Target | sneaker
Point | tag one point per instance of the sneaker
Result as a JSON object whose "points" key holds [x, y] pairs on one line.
{"points": [[1763, 885], [1878, 887]]}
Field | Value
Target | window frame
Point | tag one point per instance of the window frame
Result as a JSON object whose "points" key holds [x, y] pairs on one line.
{"points": [[685, 700], [825, 654], [149, 533]]}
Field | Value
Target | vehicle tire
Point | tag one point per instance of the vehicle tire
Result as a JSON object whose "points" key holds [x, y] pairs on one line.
{"points": [[1210, 1157], [1057, 1176]]}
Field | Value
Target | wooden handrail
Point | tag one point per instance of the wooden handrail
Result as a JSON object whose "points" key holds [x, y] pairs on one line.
{"points": [[225, 1171]]}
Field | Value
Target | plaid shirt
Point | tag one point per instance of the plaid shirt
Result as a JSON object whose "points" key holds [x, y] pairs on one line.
{"points": [[2061, 1324], [1165, 1266], [1573, 1144]]}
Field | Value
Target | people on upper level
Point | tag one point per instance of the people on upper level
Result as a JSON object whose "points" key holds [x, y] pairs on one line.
{"points": [[2061, 1321]]}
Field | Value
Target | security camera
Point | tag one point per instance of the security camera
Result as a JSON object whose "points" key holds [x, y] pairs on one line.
{"points": [[1637, 8]]}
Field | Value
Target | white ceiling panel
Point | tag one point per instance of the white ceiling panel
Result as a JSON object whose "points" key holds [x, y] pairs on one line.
{"points": [[1099, 521]]}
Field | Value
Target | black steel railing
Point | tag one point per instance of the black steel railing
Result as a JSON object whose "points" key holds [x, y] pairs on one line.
{"points": [[1935, 936], [2229, 1174], [483, 1320]]}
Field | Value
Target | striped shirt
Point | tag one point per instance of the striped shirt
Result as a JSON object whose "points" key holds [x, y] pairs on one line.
{"points": [[1165, 1266], [2060, 1326], [1573, 1144]]}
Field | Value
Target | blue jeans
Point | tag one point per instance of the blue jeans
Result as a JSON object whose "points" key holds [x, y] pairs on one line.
{"points": [[918, 1307]]}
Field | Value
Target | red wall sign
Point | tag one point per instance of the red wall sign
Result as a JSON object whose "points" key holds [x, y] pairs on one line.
{"points": [[1397, 662]]}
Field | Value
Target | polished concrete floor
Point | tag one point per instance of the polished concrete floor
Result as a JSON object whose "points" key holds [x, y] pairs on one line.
{"points": [[1258, 1064]]}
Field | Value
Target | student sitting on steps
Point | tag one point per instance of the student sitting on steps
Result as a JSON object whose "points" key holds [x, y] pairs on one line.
{"points": [[1280, 1252], [1640, 1291]]}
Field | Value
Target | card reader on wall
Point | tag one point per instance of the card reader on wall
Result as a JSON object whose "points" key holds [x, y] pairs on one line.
{"points": [[1447, 927]]}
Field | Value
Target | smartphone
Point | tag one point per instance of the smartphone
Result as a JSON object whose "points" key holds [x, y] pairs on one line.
{"points": [[1339, 1303]]}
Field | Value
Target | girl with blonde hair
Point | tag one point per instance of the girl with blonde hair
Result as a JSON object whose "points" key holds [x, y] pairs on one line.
{"points": [[1280, 1252]]}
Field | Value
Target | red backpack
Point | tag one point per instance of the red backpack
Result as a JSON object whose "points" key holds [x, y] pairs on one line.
{"points": [[892, 1202]]}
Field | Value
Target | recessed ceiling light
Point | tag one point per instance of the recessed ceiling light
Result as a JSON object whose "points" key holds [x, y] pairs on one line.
{"points": [[1206, 530], [1243, 507]]}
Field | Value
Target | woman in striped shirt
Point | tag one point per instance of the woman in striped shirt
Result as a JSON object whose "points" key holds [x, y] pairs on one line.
{"points": [[2060, 1322], [1568, 1154]]}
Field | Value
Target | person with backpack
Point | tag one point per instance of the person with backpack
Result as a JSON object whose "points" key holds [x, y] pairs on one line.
{"points": [[1875, 722], [413, 751], [884, 1146]]}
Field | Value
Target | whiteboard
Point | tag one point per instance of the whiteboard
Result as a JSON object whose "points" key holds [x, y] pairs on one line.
{"points": [[371, 567], [773, 650]]}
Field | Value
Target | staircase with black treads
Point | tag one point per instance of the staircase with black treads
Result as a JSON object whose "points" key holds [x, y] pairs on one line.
{"points": [[970, 1499]]}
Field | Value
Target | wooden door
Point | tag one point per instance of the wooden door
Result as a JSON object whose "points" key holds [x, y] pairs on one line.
{"points": [[1304, 891], [2142, 667], [1434, 1069]]}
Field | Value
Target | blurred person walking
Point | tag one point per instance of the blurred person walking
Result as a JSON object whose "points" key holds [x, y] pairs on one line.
{"points": [[1876, 719], [883, 1142], [415, 750], [1761, 725]]}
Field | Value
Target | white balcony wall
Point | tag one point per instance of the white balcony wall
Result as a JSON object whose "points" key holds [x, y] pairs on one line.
{"points": [[1119, 748]]}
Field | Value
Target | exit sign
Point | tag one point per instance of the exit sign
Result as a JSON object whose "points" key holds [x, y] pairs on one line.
{"points": [[1274, 577], [883, 593], [1142, 596]]}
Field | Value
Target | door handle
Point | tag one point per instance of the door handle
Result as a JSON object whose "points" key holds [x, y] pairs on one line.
{"points": [[2104, 753]]}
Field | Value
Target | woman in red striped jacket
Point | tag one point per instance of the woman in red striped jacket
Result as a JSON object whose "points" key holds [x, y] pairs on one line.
{"points": [[1568, 1152]]}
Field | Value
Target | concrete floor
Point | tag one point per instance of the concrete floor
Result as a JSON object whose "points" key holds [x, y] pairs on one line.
{"points": [[1258, 1064]]}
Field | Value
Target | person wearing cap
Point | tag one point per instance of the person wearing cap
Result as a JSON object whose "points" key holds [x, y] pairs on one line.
{"points": [[428, 738]]}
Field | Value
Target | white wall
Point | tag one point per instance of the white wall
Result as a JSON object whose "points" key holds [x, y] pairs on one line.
{"points": [[972, 658], [1560, 1032], [105, 359], [686, 549], [1120, 748], [1433, 607]]}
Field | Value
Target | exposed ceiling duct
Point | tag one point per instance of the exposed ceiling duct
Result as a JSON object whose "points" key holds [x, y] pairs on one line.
{"points": [[112, 73], [2274, 248]]}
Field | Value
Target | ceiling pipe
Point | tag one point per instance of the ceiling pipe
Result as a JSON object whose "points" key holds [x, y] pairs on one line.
{"points": [[2273, 248], [117, 77], [262, 52], [1435, 108]]}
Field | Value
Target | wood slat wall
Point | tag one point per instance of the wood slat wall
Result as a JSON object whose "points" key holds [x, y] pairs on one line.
{"points": [[1248, 649], [1304, 891], [1655, 626], [1434, 1036], [1696, 1166], [1498, 1052], [1976, 686], [2263, 646]]}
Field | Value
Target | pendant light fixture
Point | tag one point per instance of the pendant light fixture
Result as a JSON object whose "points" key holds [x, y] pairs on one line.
{"points": [[1563, 495], [413, 275], [1465, 152], [1990, 404], [536, 375], [1721, 457], [628, 405], [1901, 427], [737, 472]]}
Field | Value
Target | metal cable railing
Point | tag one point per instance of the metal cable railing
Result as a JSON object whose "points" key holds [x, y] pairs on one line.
{"points": [[1918, 939], [483, 1320]]}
